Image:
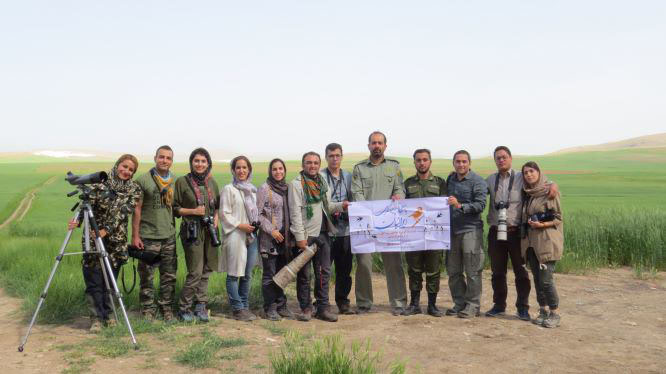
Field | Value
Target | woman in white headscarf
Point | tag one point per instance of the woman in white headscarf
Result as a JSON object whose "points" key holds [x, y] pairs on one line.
{"points": [[239, 218]]}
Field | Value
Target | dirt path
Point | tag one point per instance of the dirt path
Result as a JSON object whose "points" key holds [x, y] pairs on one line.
{"points": [[25, 204], [611, 322]]}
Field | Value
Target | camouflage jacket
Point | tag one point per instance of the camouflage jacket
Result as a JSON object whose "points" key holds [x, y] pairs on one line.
{"points": [[112, 209]]}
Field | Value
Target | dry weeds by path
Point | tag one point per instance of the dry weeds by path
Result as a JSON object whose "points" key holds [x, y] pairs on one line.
{"points": [[24, 206]]}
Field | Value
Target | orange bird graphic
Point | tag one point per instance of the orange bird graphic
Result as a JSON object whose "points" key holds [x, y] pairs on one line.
{"points": [[417, 215]]}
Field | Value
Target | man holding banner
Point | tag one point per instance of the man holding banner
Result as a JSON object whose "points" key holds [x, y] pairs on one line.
{"points": [[378, 178], [424, 184]]}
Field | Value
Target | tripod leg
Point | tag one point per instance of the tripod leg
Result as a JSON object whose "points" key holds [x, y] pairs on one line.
{"points": [[120, 300], [42, 297], [106, 274]]}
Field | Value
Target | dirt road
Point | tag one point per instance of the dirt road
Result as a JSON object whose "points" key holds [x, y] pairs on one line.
{"points": [[611, 322]]}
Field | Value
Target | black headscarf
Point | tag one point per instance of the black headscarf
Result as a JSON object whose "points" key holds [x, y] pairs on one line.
{"points": [[200, 178], [280, 188]]}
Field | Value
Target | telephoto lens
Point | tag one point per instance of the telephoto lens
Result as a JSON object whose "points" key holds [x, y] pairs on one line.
{"points": [[501, 221]]}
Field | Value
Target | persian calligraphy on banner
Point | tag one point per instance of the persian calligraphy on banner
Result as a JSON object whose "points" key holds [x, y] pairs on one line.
{"points": [[400, 226]]}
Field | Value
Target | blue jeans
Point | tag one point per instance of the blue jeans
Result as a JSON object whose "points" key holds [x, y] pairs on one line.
{"points": [[238, 288]]}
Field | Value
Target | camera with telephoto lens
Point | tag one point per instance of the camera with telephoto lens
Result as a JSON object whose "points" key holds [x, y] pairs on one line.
{"points": [[209, 221], [149, 257], [501, 220], [546, 216], [192, 231]]}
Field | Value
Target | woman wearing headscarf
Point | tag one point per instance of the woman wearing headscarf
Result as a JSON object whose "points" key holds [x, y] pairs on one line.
{"points": [[543, 242], [239, 221], [274, 244], [196, 200], [111, 201]]}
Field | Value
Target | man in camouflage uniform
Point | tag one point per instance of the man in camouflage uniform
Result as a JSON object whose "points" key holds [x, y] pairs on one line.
{"points": [[111, 202], [424, 184], [153, 229], [379, 178]]}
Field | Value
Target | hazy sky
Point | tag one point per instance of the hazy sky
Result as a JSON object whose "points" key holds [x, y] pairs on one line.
{"points": [[284, 77]]}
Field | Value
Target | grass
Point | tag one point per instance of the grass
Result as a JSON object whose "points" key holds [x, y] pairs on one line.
{"points": [[201, 354], [328, 355], [275, 328]]}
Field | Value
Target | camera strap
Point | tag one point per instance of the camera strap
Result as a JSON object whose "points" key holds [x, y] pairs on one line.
{"points": [[508, 197], [122, 277]]}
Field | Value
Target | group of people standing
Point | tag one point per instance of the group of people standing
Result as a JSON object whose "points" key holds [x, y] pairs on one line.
{"points": [[280, 219]]}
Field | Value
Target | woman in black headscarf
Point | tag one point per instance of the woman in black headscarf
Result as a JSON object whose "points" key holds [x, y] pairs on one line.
{"points": [[274, 241], [197, 198]]}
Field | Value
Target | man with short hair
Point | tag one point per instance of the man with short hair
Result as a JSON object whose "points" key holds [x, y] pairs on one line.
{"points": [[339, 181], [310, 209], [505, 188], [153, 229], [379, 178], [424, 184], [467, 197]]}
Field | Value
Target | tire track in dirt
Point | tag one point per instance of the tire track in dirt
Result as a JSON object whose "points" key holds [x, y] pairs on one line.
{"points": [[24, 206]]}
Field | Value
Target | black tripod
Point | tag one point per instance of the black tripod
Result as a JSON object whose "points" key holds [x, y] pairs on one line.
{"points": [[107, 272]]}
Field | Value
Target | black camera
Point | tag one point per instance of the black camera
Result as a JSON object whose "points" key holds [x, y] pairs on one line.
{"points": [[546, 216], [192, 231], [209, 221], [149, 257], [501, 205], [76, 180], [339, 217]]}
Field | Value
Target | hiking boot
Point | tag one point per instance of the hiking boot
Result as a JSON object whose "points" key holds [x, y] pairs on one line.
{"points": [[325, 315], [186, 316], [363, 310], [453, 311], [414, 307], [523, 315], [305, 315], [541, 317], [495, 311], [469, 312], [148, 315], [345, 309], [95, 326], [243, 315], [111, 323], [553, 320], [167, 315], [399, 311], [272, 314], [201, 313], [433, 310], [284, 312]]}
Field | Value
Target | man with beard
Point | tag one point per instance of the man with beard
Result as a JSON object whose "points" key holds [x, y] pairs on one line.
{"points": [[310, 209], [424, 184], [153, 229], [379, 178]]}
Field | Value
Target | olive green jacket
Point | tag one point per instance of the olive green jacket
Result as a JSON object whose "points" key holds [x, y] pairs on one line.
{"points": [[432, 186], [548, 243], [377, 182]]}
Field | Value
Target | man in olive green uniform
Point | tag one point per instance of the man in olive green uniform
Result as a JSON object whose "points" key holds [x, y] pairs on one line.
{"points": [[424, 184], [379, 178], [153, 229]]}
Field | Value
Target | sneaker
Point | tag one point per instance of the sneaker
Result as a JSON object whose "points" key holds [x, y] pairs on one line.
{"points": [[541, 317], [325, 315], [495, 311], [95, 326], [243, 315], [399, 311], [186, 316], [412, 310], [523, 315], [284, 312], [553, 320], [363, 310], [345, 309], [469, 312], [453, 311], [201, 313], [305, 315]]}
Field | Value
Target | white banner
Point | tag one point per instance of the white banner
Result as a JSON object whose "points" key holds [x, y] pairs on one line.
{"points": [[400, 226]]}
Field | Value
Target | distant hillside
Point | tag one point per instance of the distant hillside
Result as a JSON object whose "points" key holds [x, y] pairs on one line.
{"points": [[648, 141]]}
